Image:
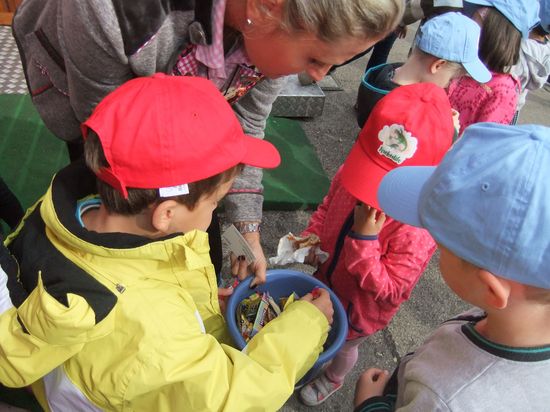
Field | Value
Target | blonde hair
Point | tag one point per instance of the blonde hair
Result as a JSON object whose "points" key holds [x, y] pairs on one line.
{"points": [[538, 295], [457, 68], [333, 20]]}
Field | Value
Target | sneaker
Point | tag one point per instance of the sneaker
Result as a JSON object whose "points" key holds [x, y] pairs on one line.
{"points": [[318, 390]]}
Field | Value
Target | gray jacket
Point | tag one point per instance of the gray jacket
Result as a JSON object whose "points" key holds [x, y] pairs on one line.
{"points": [[533, 67], [76, 52]]}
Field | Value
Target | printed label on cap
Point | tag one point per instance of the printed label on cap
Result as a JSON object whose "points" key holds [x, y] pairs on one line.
{"points": [[397, 145], [174, 190]]}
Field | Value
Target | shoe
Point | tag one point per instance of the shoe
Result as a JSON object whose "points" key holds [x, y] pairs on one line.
{"points": [[318, 390]]}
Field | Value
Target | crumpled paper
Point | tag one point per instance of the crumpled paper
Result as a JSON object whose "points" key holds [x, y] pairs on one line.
{"points": [[286, 252]]}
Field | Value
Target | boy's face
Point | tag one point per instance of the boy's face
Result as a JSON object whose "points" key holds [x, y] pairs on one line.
{"points": [[445, 73], [458, 274], [200, 217]]}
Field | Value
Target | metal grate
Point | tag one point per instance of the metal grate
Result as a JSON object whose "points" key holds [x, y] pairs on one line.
{"points": [[12, 80]]}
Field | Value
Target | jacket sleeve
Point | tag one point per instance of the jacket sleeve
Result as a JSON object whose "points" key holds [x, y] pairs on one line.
{"points": [[420, 398], [41, 334], [393, 272], [244, 201], [317, 219], [202, 374]]}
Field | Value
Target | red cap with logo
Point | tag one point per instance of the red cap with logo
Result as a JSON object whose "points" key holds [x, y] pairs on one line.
{"points": [[411, 126], [163, 132]]}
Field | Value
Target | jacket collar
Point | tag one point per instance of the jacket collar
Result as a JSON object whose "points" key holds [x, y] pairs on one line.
{"points": [[76, 181]]}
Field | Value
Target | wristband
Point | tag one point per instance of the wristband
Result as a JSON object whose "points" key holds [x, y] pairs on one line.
{"points": [[247, 227]]}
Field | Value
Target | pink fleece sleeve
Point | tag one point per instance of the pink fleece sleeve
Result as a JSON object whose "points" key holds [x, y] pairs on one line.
{"points": [[394, 273]]}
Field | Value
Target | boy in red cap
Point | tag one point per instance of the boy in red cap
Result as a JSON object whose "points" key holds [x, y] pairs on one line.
{"points": [[376, 261], [115, 305]]}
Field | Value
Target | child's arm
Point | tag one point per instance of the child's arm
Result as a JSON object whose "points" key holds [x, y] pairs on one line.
{"points": [[196, 372], [34, 338], [391, 273], [317, 219]]}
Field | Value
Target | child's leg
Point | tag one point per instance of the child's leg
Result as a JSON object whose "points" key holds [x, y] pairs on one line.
{"points": [[318, 390], [344, 361]]}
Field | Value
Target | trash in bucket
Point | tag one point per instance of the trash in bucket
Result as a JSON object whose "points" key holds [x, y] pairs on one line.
{"points": [[281, 283]]}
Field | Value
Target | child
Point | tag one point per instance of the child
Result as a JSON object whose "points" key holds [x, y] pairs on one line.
{"points": [[376, 261], [446, 45], [533, 67], [502, 26], [122, 300], [488, 207]]}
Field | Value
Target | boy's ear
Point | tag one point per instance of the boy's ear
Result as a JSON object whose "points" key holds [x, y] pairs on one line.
{"points": [[437, 65], [496, 290], [162, 215]]}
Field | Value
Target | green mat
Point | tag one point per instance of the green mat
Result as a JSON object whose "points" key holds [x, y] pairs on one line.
{"points": [[30, 155], [300, 181]]}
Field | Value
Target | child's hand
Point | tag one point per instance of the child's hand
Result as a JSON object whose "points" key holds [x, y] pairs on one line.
{"points": [[367, 220], [223, 293], [312, 258], [320, 298], [456, 119], [371, 383]]}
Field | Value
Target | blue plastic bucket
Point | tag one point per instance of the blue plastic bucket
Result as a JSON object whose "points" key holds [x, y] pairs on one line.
{"points": [[281, 283]]}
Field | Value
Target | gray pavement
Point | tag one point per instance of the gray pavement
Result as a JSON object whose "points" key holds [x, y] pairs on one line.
{"points": [[432, 302]]}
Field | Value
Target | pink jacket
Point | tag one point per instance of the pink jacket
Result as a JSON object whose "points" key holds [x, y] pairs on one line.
{"points": [[494, 101], [372, 275]]}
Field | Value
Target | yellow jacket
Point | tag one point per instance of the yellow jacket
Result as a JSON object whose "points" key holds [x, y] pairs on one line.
{"points": [[120, 322]]}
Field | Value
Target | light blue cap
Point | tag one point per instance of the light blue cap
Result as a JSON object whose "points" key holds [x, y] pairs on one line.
{"points": [[544, 15], [454, 37], [488, 201], [523, 14]]}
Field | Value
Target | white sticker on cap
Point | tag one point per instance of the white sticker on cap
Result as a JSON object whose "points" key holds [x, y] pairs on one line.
{"points": [[174, 190], [397, 144]]}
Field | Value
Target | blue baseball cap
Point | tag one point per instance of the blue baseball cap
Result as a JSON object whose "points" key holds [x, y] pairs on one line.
{"points": [[488, 201], [544, 15], [454, 37], [523, 14]]}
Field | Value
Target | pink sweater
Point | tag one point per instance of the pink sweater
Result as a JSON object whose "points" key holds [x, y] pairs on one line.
{"points": [[373, 275], [494, 101]]}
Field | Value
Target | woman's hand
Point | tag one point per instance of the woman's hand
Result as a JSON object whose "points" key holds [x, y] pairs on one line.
{"points": [[371, 383], [240, 267], [367, 220]]}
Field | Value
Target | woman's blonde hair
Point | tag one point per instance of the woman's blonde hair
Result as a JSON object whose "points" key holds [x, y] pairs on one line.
{"points": [[333, 20]]}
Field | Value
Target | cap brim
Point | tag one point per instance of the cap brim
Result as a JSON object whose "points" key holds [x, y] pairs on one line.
{"points": [[480, 2], [477, 70], [399, 192], [260, 153], [361, 176]]}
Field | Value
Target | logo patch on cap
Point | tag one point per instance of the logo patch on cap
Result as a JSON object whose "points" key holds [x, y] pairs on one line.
{"points": [[174, 191], [397, 145]]}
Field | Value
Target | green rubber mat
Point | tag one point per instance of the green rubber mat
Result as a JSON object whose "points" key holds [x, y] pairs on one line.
{"points": [[300, 181], [30, 155]]}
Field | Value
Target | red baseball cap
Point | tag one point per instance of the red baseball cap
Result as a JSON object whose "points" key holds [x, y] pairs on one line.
{"points": [[162, 132], [411, 126]]}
